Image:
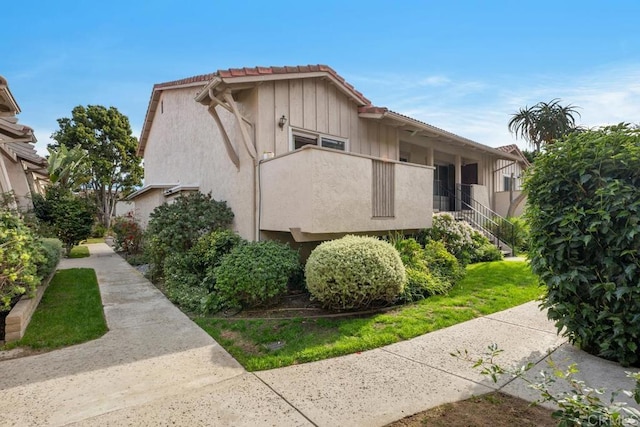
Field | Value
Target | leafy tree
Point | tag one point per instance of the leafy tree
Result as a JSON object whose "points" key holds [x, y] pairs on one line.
{"points": [[115, 168], [543, 123], [584, 219], [69, 216]]}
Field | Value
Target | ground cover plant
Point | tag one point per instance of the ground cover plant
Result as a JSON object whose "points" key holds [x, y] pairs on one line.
{"points": [[584, 218], [486, 288], [70, 312]]}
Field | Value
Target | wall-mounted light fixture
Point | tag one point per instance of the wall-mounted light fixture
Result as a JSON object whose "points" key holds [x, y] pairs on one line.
{"points": [[282, 121]]}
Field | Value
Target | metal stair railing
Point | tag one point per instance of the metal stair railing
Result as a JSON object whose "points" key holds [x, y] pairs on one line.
{"points": [[499, 230]]}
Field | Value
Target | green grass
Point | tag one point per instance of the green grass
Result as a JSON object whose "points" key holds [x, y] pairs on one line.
{"points": [[487, 288], [94, 240], [79, 252], [70, 312]]}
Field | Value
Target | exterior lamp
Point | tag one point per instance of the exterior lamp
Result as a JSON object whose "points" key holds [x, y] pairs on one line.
{"points": [[282, 121]]}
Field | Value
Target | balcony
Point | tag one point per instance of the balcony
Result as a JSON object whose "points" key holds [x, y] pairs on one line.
{"points": [[317, 193]]}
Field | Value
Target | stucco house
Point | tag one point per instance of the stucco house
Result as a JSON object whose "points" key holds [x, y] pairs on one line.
{"points": [[22, 171], [301, 155]]}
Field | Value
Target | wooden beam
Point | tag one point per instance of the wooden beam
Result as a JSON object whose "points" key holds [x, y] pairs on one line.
{"points": [[245, 134], [231, 152]]}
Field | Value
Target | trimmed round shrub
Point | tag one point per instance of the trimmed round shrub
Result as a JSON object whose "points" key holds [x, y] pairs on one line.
{"points": [[255, 274], [353, 272], [190, 276], [584, 217]]}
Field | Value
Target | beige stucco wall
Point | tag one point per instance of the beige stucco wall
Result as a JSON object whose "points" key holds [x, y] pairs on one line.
{"points": [[185, 147], [325, 191], [145, 203], [502, 203], [18, 183]]}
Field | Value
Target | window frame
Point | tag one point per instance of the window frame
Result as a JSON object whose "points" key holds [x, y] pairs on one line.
{"points": [[318, 136]]}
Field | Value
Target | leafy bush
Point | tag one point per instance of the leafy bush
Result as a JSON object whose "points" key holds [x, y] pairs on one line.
{"points": [[460, 239], [51, 250], [255, 273], [190, 276], [420, 282], [98, 230], [354, 272], [128, 233], [176, 227], [519, 233], [483, 250], [457, 236], [19, 258], [584, 218], [442, 263], [71, 217]]}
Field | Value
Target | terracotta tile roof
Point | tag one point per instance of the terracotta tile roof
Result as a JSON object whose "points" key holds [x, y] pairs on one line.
{"points": [[372, 109], [261, 71], [508, 148], [204, 78]]}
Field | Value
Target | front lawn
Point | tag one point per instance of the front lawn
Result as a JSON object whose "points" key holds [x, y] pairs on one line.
{"points": [[70, 312], [79, 252], [487, 288]]}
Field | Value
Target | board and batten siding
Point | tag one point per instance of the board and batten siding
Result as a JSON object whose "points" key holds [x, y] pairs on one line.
{"points": [[315, 104]]}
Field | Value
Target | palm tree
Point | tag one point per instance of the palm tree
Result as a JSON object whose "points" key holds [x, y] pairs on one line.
{"points": [[544, 122]]}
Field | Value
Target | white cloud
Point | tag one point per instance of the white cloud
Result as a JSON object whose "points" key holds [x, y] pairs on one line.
{"points": [[480, 109]]}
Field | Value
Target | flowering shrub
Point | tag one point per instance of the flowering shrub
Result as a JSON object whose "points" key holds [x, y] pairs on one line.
{"points": [[460, 239], [128, 233], [20, 255]]}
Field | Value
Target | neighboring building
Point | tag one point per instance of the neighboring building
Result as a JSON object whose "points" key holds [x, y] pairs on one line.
{"points": [[22, 171], [299, 154], [508, 178]]}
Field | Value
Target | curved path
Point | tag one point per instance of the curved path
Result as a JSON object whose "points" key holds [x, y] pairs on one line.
{"points": [[156, 367]]}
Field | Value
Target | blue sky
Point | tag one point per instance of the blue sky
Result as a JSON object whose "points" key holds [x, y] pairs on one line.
{"points": [[464, 66]]}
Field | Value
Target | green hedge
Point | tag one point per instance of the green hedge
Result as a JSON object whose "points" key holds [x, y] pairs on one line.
{"points": [[584, 218]]}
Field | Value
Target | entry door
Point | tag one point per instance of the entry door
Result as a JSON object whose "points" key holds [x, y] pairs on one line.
{"points": [[470, 174]]}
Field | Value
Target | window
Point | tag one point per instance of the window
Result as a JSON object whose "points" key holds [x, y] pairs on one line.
{"points": [[506, 180], [301, 138], [405, 156]]}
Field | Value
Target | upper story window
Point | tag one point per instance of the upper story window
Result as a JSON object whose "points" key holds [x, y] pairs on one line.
{"points": [[300, 138]]}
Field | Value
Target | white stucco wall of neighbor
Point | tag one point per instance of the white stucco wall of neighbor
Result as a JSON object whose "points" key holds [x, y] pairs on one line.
{"points": [[185, 147], [323, 191], [20, 185]]}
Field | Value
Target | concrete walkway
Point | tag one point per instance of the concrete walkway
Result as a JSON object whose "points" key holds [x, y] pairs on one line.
{"points": [[156, 367]]}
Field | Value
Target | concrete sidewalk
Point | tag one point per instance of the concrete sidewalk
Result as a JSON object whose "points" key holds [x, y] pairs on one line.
{"points": [[156, 367]]}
